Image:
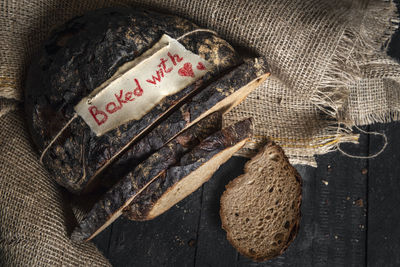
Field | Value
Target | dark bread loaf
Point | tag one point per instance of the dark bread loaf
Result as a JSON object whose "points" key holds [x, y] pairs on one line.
{"points": [[194, 168], [260, 210], [161, 165], [82, 55]]}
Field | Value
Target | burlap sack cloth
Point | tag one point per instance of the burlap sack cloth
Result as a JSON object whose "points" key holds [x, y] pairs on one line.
{"points": [[330, 72]]}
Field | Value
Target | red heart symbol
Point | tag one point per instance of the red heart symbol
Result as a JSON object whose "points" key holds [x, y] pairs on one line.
{"points": [[200, 66], [186, 70]]}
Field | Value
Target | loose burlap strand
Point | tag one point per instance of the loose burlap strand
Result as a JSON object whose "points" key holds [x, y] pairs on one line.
{"points": [[329, 72]]}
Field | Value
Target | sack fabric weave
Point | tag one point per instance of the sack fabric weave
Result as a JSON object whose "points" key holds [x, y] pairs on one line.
{"points": [[329, 68]]}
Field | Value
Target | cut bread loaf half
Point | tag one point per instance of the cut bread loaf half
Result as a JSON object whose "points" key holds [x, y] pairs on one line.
{"points": [[260, 210], [87, 53], [195, 168], [119, 198], [110, 206], [221, 95]]}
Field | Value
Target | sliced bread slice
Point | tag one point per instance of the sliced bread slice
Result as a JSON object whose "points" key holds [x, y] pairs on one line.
{"points": [[195, 168], [260, 210]]}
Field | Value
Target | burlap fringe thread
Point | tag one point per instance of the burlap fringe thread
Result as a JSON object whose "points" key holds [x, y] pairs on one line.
{"points": [[333, 92]]}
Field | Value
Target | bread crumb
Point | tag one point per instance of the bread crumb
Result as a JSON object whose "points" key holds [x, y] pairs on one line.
{"points": [[359, 202], [325, 182], [192, 243]]}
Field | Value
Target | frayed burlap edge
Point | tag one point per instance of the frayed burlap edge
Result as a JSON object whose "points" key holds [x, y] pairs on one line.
{"points": [[364, 37], [369, 38]]}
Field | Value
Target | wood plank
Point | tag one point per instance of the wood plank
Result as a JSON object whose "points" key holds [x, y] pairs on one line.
{"points": [[340, 208], [213, 249], [102, 240], [384, 199], [164, 241]]}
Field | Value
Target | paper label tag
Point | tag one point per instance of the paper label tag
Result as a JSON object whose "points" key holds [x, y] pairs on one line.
{"points": [[141, 84]]}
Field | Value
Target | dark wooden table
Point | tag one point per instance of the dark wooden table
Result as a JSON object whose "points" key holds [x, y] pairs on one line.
{"points": [[350, 217]]}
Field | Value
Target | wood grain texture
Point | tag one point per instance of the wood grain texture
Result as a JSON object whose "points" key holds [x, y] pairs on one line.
{"points": [[168, 240], [384, 199]]}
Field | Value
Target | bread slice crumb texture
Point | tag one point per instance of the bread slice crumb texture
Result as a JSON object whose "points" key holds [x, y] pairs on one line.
{"points": [[260, 210], [193, 181]]}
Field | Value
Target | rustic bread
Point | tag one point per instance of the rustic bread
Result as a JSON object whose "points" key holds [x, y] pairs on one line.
{"points": [[111, 204], [222, 95], [194, 168], [260, 210], [79, 58]]}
